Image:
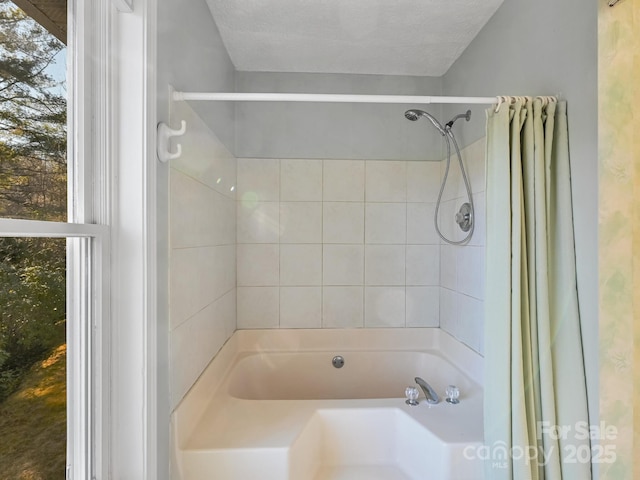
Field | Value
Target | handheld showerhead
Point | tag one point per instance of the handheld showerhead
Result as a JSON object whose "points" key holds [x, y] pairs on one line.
{"points": [[415, 114], [412, 115]]}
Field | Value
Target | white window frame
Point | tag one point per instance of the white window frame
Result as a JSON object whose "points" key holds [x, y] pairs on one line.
{"points": [[111, 270], [87, 284], [113, 118], [87, 292]]}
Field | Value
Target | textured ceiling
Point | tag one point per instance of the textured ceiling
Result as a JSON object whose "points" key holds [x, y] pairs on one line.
{"points": [[392, 37]]}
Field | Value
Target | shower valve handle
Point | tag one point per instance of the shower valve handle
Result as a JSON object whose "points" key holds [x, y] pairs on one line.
{"points": [[462, 217]]}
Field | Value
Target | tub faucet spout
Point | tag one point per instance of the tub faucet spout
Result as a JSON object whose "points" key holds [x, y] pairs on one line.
{"points": [[430, 393]]}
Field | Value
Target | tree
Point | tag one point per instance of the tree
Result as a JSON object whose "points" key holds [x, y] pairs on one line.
{"points": [[32, 298], [32, 120], [32, 185], [32, 304]]}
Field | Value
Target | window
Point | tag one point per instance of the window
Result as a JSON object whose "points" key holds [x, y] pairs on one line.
{"points": [[52, 273], [112, 323]]}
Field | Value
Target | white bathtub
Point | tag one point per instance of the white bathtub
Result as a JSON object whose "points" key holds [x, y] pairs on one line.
{"points": [[271, 406], [365, 374]]}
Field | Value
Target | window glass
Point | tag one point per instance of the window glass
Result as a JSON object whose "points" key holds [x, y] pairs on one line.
{"points": [[32, 358], [33, 116], [33, 185]]}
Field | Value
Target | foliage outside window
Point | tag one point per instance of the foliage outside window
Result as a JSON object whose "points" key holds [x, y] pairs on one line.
{"points": [[33, 111], [33, 185]]}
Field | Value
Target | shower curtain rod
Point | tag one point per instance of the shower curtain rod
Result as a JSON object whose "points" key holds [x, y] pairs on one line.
{"points": [[327, 98]]}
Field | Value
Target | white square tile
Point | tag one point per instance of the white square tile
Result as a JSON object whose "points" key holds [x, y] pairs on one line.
{"points": [[385, 223], [258, 307], [449, 312], [222, 266], [300, 307], [447, 220], [224, 170], [468, 162], [449, 266], [384, 265], [204, 156], [301, 222], [343, 222], [215, 334], [223, 214], [423, 181], [480, 220], [343, 181], [471, 271], [194, 343], [475, 163], [190, 221], [301, 265], [423, 306], [300, 180], [258, 180], [384, 306], [423, 265], [182, 361], [420, 227], [192, 278], [386, 181], [258, 265], [471, 322], [342, 307], [343, 265], [453, 182], [212, 334], [227, 310], [258, 222]]}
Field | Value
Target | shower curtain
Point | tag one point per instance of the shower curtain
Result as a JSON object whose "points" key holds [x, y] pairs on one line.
{"points": [[535, 412]]}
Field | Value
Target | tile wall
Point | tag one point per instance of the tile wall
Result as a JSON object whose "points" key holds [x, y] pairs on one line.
{"points": [[320, 244], [462, 267], [337, 243], [351, 243], [202, 285]]}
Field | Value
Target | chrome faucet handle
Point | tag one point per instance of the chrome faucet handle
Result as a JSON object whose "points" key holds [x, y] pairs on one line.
{"points": [[453, 394], [412, 394]]}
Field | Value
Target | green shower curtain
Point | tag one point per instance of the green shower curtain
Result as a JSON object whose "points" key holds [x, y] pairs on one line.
{"points": [[535, 411]]}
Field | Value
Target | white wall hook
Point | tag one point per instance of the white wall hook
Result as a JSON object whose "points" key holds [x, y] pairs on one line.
{"points": [[165, 132]]}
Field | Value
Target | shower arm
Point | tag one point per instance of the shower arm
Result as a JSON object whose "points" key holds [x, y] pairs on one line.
{"points": [[466, 116]]}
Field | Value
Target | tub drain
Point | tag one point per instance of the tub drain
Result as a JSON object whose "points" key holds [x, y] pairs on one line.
{"points": [[338, 361]]}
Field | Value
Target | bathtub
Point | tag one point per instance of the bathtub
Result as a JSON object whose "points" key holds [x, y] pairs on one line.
{"points": [[272, 406]]}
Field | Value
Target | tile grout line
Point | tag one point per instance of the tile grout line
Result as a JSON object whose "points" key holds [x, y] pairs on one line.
{"points": [[279, 160], [364, 245], [322, 244], [406, 237]]}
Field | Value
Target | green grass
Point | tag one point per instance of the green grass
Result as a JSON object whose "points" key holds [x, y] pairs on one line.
{"points": [[33, 429]]}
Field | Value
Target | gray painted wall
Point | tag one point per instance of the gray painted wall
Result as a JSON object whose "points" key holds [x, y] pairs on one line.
{"points": [[190, 56], [341, 131], [548, 47]]}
